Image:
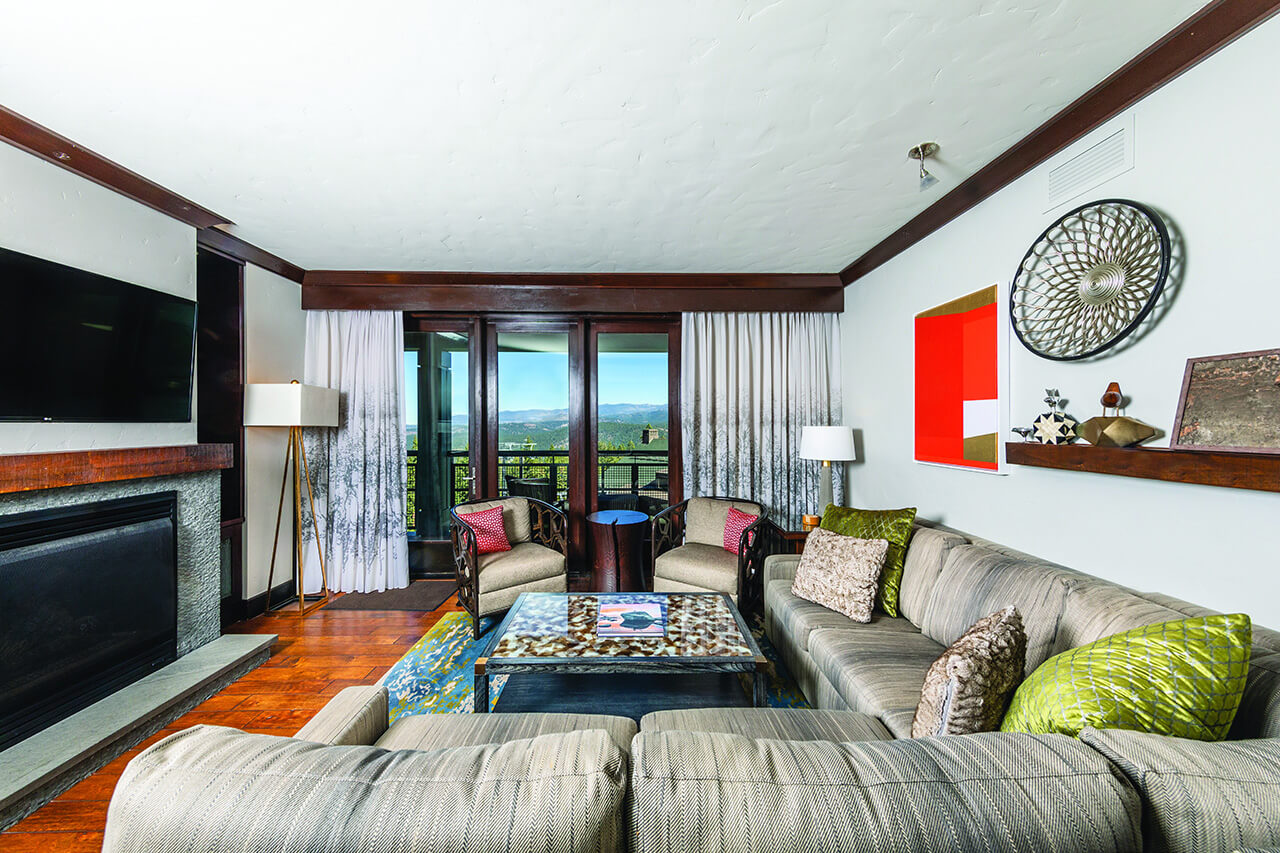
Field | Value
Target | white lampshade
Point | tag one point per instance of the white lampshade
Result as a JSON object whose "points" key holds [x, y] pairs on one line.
{"points": [[827, 443], [289, 404]]}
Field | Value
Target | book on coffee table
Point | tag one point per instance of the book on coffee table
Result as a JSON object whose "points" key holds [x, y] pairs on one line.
{"points": [[632, 619]]}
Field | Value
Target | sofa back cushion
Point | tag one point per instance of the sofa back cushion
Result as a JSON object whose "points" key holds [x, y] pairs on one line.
{"points": [[704, 519], [1259, 712], [214, 789], [515, 516], [926, 555], [727, 792], [977, 581]]}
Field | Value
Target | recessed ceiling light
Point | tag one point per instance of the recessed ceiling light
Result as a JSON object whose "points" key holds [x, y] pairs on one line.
{"points": [[920, 152]]}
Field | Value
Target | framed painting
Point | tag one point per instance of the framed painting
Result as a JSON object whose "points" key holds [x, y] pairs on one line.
{"points": [[1230, 402], [960, 357]]}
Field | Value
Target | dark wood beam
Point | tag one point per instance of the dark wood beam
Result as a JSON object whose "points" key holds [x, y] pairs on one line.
{"points": [[232, 246], [1199, 37], [23, 133]]}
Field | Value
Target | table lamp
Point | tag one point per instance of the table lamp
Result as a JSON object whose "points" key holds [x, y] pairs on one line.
{"points": [[295, 406], [827, 444]]}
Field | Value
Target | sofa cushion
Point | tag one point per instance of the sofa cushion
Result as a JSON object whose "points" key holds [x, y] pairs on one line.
{"points": [[770, 723], [210, 789], [502, 599], [357, 715], [515, 516], [988, 792], [895, 526], [1095, 608], [1199, 796], [877, 672], [705, 567], [704, 519], [926, 555], [977, 581], [524, 563], [800, 618], [1259, 713], [841, 573], [440, 731]]}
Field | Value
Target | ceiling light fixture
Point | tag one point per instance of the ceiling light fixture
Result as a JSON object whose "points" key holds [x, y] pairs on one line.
{"points": [[920, 152]]}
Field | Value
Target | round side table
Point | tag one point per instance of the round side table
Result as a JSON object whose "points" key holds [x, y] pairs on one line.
{"points": [[617, 550]]}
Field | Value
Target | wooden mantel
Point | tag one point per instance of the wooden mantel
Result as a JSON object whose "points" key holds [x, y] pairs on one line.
{"points": [[26, 472]]}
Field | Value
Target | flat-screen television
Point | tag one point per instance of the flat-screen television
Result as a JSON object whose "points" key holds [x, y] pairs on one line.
{"points": [[77, 346]]}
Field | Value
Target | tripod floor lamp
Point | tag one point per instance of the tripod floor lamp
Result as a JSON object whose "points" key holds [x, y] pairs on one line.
{"points": [[295, 406]]}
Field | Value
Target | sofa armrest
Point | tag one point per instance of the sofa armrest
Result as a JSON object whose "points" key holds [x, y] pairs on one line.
{"points": [[357, 715], [780, 567]]}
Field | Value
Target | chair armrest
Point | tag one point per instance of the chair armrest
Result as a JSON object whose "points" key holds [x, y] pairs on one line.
{"points": [[780, 567], [547, 525], [357, 715], [667, 529]]}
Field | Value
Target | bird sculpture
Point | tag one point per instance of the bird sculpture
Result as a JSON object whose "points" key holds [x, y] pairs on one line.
{"points": [[1112, 398]]}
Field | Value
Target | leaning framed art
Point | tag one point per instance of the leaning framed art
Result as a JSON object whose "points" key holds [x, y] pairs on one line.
{"points": [[1230, 402]]}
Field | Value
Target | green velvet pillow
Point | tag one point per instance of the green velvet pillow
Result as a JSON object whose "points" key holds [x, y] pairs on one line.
{"points": [[1182, 678], [891, 525]]}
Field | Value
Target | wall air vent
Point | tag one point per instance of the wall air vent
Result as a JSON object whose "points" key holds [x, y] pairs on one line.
{"points": [[1091, 162]]}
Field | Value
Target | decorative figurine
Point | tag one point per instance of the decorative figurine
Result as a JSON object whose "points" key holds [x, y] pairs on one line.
{"points": [[1025, 432], [1112, 398], [1054, 426], [1114, 430]]}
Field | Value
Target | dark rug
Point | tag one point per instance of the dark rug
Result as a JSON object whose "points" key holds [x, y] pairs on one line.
{"points": [[419, 595]]}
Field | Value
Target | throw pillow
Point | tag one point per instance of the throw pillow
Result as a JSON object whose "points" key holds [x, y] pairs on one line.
{"points": [[737, 522], [892, 525], [840, 572], [968, 687], [491, 534], [1182, 678]]}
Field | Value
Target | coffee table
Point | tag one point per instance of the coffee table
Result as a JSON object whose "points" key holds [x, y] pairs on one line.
{"points": [[552, 632]]}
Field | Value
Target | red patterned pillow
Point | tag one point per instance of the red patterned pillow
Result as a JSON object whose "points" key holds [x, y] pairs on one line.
{"points": [[734, 525], [491, 533]]}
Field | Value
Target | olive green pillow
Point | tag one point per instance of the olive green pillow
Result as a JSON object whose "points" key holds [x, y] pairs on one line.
{"points": [[892, 525], [1182, 678]]}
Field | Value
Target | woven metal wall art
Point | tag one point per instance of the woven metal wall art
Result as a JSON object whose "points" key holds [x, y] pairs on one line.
{"points": [[1090, 279]]}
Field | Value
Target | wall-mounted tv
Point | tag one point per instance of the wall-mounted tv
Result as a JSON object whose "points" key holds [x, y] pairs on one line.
{"points": [[77, 346]]}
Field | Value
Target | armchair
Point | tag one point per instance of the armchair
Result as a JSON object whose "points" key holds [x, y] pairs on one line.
{"points": [[689, 554], [537, 561]]}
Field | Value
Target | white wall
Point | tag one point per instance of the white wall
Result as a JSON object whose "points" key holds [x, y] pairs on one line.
{"points": [[51, 213], [1198, 161], [275, 329]]}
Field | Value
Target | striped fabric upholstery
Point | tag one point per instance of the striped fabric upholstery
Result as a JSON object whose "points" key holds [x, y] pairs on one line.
{"points": [[926, 555], [979, 581], [770, 723], [800, 617], [1096, 608], [799, 663], [357, 715], [985, 792], [209, 789], [877, 672], [1199, 796], [441, 731], [777, 567]]}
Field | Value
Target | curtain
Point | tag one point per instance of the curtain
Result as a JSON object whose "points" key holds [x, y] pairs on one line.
{"points": [[359, 468], [748, 383]]}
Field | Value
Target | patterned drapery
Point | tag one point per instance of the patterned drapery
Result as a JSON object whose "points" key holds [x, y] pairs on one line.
{"points": [[359, 468], [748, 384]]}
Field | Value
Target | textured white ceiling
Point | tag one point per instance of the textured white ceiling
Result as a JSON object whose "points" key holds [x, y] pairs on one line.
{"points": [[561, 135]]}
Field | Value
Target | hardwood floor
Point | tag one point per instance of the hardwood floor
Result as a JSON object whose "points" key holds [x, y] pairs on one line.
{"points": [[314, 658]]}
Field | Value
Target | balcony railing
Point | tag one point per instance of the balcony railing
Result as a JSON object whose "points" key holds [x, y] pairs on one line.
{"points": [[627, 479]]}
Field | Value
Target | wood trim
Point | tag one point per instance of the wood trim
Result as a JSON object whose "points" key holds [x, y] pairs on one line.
{"points": [[633, 280], [237, 249], [1199, 37], [1206, 467], [25, 472], [38, 140]]}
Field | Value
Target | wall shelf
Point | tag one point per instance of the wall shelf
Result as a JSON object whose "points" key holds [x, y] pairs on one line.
{"points": [[25, 472], [1208, 467]]}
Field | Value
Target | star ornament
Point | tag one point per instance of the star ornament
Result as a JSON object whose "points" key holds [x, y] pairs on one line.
{"points": [[1054, 428]]}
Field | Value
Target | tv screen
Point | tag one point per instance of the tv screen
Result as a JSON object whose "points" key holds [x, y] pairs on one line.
{"points": [[77, 346]]}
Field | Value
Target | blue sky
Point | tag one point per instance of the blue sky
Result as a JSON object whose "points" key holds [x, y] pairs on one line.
{"points": [[541, 380]]}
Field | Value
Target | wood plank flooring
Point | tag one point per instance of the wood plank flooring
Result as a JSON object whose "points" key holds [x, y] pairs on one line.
{"points": [[314, 658]]}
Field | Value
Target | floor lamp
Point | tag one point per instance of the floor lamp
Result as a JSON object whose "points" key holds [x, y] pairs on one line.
{"points": [[828, 444], [295, 406]]}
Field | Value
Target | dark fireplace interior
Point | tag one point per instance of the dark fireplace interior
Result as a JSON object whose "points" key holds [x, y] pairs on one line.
{"points": [[88, 604]]}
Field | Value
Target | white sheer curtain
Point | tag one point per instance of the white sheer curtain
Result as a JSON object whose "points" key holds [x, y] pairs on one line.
{"points": [[748, 383], [359, 467]]}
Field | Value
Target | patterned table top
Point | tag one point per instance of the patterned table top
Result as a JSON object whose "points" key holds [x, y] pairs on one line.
{"points": [[548, 625]]}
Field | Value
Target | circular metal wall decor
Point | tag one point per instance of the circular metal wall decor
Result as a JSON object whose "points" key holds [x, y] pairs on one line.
{"points": [[1090, 279]]}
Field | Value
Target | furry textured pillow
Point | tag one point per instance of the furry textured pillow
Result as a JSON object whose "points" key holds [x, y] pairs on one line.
{"points": [[968, 688], [841, 573]]}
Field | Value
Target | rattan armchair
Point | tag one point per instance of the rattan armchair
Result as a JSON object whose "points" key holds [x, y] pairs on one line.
{"points": [[537, 561], [689, 553]]}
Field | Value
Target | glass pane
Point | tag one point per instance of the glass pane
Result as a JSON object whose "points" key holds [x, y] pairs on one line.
{"points": [[533, 415], [438, 406], [632, 427]]}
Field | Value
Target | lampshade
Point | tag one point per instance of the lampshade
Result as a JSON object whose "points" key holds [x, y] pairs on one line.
{"points": [[289, 404], [827, 443]]}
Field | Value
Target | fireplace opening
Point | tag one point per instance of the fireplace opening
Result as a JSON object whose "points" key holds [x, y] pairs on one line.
{"points": [[88, 605]]}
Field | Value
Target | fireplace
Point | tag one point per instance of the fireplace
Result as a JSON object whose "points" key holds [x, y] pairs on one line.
{"points": [[88, 604]]}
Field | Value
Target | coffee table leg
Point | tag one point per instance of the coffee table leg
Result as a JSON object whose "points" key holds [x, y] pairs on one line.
{"points": [[481, 688], [760, 685]]}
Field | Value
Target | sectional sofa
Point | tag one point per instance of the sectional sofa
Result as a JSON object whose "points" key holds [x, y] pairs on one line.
{"points": [[840, 777]]}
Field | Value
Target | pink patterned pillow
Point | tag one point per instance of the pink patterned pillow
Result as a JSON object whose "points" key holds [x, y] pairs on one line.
{"points": [[491, 533], [734, 525]]}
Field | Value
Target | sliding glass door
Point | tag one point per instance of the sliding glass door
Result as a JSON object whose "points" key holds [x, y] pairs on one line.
{"points": [[532, 435]]}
